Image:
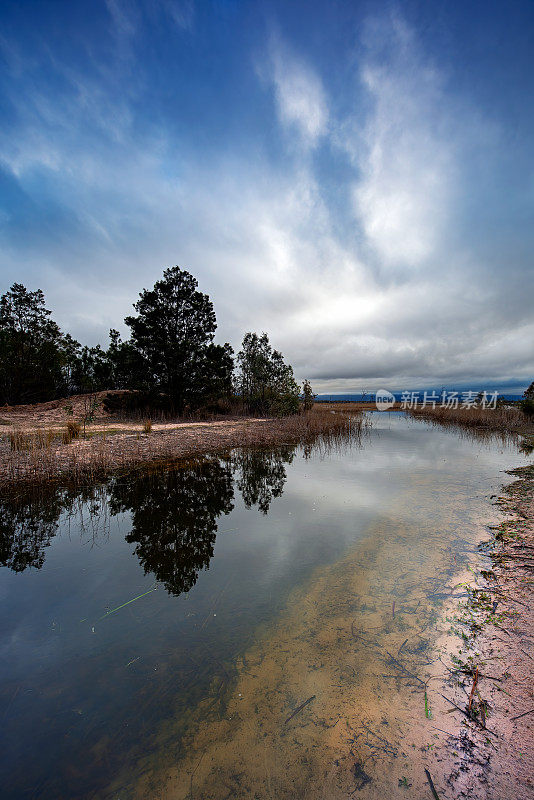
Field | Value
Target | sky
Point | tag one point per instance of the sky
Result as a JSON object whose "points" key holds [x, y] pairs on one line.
{"points": [[354, 178]]}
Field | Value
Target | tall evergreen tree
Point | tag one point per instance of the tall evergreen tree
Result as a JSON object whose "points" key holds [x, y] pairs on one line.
{"points": [[31, 348], [125, 364], [173, 333]]}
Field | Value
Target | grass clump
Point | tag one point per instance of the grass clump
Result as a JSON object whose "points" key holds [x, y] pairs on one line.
{"points": [[26, 442], [72, 431]]}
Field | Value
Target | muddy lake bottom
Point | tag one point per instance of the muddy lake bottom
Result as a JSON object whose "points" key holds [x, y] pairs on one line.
{"points": [[269, 624]]}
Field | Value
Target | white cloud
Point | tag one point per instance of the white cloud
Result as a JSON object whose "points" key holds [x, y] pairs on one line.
{"points": [[300, 97], [124, 16], [405, 155]]}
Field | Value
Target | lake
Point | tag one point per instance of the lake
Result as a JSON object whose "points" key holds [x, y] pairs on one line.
{"points": [[230, 628]]}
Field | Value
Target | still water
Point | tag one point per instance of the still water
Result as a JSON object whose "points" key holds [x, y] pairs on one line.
{"points": [[159, 631]]}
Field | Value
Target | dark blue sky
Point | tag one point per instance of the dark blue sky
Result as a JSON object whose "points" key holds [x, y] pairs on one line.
{"points": [[355, 178]]}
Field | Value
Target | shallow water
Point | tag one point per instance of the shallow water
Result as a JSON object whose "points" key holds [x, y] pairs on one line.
{"points": [[158, 631]]}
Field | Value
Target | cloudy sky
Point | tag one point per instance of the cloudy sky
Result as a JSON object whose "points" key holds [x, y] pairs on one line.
{"points": [[355, 178]]}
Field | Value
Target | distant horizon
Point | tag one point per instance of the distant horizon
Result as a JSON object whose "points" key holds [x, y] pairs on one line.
{"points": [[507, 394], [510, 387]]}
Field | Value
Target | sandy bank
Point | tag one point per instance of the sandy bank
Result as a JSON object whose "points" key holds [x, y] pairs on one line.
{"points": [[498, 620], [40, 454]]}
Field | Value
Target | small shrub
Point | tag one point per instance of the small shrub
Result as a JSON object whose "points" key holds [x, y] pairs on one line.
{"points": [[147, 426], [74, 428]]}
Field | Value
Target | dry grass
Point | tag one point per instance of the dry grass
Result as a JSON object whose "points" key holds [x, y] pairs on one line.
{"points": [[510, 420], [18, 440], [72, 431], [350, 405], [22, 441], [48, 458]]}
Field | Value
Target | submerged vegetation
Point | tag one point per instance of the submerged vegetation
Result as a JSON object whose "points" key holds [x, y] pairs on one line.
{"points": [[313, 667], [494, 624]]}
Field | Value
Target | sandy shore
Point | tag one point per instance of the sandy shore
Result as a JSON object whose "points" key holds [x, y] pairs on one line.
{"points": [[498, 620], [32, 447], [501, 617]]}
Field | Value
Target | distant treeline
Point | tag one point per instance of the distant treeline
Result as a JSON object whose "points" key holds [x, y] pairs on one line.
{"points": [[170, 356]]}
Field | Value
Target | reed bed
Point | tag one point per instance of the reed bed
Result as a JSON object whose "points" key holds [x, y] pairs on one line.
{"points": [[80, 460], [504, 419], [23, 441]]}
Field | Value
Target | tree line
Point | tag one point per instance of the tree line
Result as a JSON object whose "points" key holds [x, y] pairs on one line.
{"points": [[170, 355]]}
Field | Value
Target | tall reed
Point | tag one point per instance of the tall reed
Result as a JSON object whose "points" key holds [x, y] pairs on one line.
{"points": [[495, 419], [72, 431], [34, 440]]}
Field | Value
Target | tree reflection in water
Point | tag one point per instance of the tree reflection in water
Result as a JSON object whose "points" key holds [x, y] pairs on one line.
{"points": [[174, 519], [29, 521], [174, 512], [262, 475]]}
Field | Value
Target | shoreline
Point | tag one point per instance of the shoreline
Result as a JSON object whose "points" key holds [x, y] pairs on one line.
{"points": [[497, 623], [116, 446], [505, 421]]}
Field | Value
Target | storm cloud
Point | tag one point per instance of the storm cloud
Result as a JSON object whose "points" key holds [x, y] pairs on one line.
{"points": [[338, 185]]}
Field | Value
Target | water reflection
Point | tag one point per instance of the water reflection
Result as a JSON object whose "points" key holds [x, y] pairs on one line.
{"points": [[262, 475], [108, 683], [174, 519], [90, 674], [29, 521], [25, 533], [174, 512]]}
